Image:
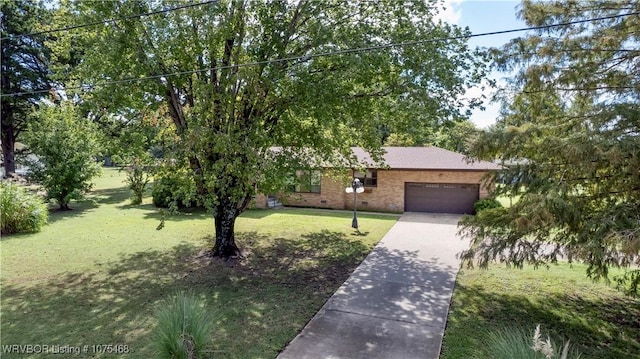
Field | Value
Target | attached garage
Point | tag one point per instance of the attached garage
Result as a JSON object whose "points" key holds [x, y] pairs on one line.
{"points": [[440, 197]]}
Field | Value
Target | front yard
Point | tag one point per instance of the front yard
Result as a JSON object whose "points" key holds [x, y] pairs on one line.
{"points": [[597, 320], [94, 274]]}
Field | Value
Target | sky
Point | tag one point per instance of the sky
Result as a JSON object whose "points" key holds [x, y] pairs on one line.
{"points": [[483, 16]]}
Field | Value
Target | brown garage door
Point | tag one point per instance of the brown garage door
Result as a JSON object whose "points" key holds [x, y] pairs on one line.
{"points": [[440, 197]]}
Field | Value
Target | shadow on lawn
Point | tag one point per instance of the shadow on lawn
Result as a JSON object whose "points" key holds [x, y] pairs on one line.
{"points": [[92, 308], [611, 329], [185, 214], [310, 262], [111, 195], [261, 301], [94, 200], [78, 209]]}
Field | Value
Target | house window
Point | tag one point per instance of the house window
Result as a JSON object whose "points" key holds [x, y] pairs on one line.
{"points": [[369, 178], [308, 181]]}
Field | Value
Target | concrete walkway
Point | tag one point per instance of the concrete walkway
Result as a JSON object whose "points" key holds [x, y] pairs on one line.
{"points": [[396, 302]]}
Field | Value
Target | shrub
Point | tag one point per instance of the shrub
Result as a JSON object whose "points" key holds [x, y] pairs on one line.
{"points": [[183, 327], [137, 179], [22, 212], [173, 186], [486, 203], [138, 176], [518, 343]]}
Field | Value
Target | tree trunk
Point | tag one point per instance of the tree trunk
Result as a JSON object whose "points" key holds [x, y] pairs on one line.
{"points": [[225, 220], [8, 149]]}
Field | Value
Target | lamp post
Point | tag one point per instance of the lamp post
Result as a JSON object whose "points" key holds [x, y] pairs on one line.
{"points": [[356, 187]]}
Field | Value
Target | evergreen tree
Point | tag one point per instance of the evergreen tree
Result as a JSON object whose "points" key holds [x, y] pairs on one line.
{"points": [[24, 62], [569, 139]]}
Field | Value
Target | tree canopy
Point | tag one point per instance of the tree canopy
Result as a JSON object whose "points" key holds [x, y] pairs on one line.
{"points": [[454, 136], [241, 77], [569, 141]]}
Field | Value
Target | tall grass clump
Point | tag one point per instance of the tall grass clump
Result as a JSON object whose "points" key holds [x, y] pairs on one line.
{"points": [[511, 343], [21, 211], [183, 327]]}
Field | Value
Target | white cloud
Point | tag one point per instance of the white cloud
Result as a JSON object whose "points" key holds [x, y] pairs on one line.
{"points": [[451, 11]]}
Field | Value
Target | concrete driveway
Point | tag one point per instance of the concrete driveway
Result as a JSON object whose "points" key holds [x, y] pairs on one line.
{"points": [[396, 302]]}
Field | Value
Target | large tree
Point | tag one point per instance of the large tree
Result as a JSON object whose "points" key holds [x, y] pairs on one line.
{"points": [[24, 70], [569, 139], [242, 77]]}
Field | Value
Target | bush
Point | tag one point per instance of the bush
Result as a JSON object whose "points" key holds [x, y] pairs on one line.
{"points": [[173, 186], [22, 212], [486, 203], [137, 179], [138, 176], [183, 327]]}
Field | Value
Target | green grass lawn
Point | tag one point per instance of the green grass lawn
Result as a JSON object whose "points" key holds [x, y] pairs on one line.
{"points": [[94, 274], [598, 320]]}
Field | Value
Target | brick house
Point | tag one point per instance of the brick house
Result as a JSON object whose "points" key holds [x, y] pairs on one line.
{"points": [[414, 179]]}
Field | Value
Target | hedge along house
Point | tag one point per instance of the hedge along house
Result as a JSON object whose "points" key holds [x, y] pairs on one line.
{"points": [[413, 179]]}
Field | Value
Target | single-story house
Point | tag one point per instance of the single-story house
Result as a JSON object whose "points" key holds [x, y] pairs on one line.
{"points": [[413, 179]]}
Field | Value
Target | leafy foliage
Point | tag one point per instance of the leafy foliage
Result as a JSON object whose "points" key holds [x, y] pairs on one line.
{"points": [[183, 328], [173, 186], [570, 140], [22, 212], [65, 149], [131, 144], [138, 177], [455, 136], [399, 140]]}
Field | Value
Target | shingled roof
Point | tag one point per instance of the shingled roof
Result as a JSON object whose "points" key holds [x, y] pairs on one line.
{"points": [[425, 158]]}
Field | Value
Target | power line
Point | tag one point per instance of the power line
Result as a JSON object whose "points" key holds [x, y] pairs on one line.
{"points": [[108, 21], [321, 54]]}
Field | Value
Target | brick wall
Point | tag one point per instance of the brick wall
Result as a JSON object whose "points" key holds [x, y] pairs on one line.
{"points": [[388, 196], [259, 201], [332, 194]]}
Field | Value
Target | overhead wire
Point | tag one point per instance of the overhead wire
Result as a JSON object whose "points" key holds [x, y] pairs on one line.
{"points": [[307, 57], [108, 21]]}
